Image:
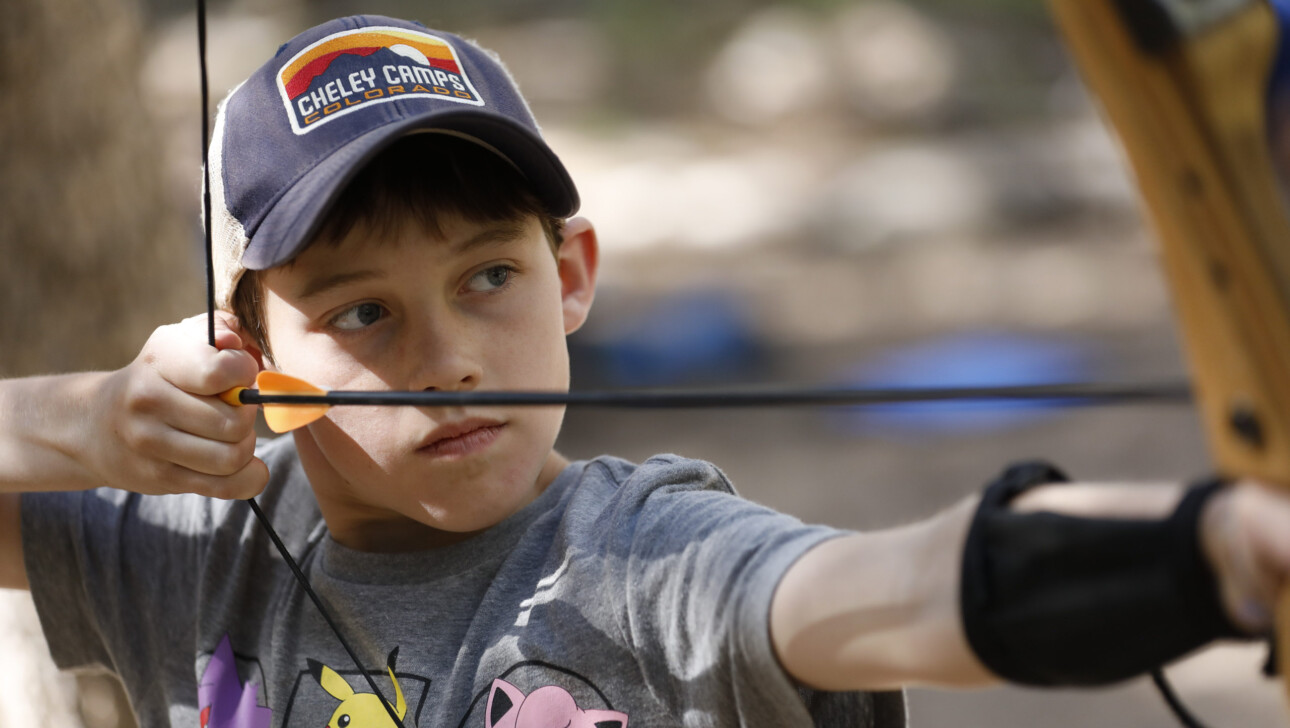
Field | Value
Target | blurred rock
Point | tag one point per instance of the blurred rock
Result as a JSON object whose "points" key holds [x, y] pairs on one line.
{"points": [[237, 42], [1084, 153], [904, 191], [45, 696], [1062, 171], [1029, 177], [664, 187], [773, 68], [557, 62], [896, 65]]}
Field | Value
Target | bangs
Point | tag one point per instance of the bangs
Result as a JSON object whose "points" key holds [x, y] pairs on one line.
{"points": [[424, 177]]}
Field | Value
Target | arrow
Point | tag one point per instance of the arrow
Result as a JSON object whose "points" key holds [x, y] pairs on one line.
{"points": [[290, 402]]}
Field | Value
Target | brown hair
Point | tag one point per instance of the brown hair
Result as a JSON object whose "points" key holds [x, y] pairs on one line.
{"points": [[420, 178]]}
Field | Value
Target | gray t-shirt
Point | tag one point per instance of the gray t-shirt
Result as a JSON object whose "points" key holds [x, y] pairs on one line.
{"points": [[623, 594]]}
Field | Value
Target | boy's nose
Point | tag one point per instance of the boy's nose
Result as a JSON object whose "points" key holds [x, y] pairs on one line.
{"points": [[446, 373], [444, 364], [461, 384]]}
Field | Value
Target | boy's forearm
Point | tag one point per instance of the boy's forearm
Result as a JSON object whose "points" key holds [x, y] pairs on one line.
{"points": [[878, 610], [45, 432], [155, 426], [881, 610]]}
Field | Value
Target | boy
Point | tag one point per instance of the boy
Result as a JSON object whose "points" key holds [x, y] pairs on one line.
{"points": [[388, 217]]}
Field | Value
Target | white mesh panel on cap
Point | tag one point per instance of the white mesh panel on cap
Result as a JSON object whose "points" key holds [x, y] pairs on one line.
{"points": [[228, 238], [496, 58]]}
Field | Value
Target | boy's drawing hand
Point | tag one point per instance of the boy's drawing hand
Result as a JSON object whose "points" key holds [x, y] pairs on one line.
{"points": [[163, 428], [1245, 532]]}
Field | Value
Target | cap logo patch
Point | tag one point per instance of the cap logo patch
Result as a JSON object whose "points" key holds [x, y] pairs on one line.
{"points": [[354, 69]]}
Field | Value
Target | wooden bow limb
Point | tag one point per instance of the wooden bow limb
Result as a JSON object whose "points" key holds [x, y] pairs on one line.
{"points": [[1185, 84]]}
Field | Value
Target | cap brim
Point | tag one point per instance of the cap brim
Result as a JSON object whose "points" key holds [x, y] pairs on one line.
{"points": [[295, 218]]}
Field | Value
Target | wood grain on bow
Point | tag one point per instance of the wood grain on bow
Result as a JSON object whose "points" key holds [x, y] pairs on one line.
{"points": [[1185, 84]]}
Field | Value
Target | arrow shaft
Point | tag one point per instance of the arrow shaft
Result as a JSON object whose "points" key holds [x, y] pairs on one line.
{"points": [[1053, 394]]}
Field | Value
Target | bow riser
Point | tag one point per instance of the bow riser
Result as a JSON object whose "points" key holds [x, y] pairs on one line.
{"points": [[1190, 107]]}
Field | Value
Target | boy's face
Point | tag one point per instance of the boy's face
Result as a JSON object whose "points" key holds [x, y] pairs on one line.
{"points": [[482, 307]]}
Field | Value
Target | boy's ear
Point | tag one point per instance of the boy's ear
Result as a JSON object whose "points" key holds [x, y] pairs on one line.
{"points": [[251, 348], [578, 259], [228, 322]]}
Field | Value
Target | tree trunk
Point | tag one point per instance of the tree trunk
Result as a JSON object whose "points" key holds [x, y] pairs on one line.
{"points": [[94, 253]]}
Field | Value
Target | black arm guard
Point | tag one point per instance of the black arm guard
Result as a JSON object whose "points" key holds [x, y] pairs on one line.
{"points": [[1050, 600]]}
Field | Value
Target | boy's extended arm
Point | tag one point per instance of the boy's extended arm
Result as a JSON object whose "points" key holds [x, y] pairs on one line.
{"points": [[154, 426], [878, 610], [881, 610]]}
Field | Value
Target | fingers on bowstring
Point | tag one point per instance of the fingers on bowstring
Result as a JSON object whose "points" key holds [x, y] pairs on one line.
{"points": [[246, 482], [183, 357], [229, 333], [179, 462], [208, 418], [169, 446]]}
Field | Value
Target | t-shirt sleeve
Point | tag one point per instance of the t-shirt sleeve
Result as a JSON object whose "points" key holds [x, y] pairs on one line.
{"points": [[691, 570], [113, 573]]}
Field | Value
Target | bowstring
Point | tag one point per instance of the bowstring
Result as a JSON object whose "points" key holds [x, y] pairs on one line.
{"points": [[210, 336], [1180, 711]]}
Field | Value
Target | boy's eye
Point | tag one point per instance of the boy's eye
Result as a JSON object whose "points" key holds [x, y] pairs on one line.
{"points": [[364, 314], [490, 278]]}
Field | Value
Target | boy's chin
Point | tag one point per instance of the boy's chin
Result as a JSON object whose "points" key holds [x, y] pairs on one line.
{"points": [[458, 487], [462, 523], [475, 493]]}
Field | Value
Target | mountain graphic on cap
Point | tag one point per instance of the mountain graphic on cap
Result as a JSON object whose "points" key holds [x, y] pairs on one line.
{"points": [[298, 75]]}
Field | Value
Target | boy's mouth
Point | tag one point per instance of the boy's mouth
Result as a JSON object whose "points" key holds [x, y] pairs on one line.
{"points": [[461, 438]]}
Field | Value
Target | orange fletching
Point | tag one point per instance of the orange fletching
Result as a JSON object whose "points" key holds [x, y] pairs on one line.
{"points": [[287, 417]]}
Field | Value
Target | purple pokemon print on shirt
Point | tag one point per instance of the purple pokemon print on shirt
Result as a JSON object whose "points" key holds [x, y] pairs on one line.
{"points": [[223, 700], [546, 707]]}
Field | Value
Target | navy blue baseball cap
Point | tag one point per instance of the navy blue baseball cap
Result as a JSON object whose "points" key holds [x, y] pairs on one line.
{"points": [[288, 139]]}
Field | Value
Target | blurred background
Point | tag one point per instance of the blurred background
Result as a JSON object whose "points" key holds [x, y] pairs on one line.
{"points": [[806, 191]]}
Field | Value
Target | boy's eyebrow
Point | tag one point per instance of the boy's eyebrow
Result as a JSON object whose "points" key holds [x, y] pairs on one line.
{"points": [[498, 234], [495, 234], [317, 286]]}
